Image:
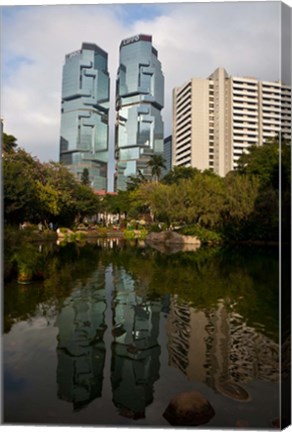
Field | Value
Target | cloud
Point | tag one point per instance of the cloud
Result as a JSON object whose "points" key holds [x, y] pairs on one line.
{"points": [[195, 39], [31, 94], [192, 39]]}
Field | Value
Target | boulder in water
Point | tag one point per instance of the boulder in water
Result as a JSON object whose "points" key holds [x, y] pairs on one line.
{"points": [[188, 409]]}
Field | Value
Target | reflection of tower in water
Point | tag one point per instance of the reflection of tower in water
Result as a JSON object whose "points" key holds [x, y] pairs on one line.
{"points": [[81, 350], [217, 347], [135, 350], [178, 326]]}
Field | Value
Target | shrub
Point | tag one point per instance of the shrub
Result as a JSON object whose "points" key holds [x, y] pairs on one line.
{"points": [[129, 234], [79, 235], [157, 227], [63, 230], [142, 234], [205, 235], [102, 231]]}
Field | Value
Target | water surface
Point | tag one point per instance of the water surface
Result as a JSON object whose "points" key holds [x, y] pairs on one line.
{"points": [[114, 331]]}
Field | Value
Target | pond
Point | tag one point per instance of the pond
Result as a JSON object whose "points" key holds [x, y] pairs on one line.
{"points": [[115, 330]]}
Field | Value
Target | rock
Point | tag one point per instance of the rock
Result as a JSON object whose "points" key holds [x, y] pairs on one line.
{"points": [[191, 240], [188, 409], [233, 391], [243, 424], [276, 423], [127, 412], [64, 234], [164, 237], [170, 237]]}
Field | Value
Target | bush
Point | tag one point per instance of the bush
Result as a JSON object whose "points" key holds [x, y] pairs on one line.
{"points": [[79, 235], [102, 231], [63, 230], [205, 235], [157, 227], [142, 234], [30, 227], [129, 234]]}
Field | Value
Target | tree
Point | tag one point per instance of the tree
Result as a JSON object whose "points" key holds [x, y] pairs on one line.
{"points": [[75, 200], [204, 199], [85, 177], [265, 161], [20, 195], [157, 163], [197, 200], [178, 173], [86, 202], [9, 143], [20, 175], [35, 191], [135, 181]]}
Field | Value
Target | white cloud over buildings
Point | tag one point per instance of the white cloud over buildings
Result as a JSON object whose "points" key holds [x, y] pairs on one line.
{"points": [[192, 39]]}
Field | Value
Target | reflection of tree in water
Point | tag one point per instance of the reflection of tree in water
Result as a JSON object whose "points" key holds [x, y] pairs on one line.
{"points": [[217, 347], [81, 350], [135, 350]]}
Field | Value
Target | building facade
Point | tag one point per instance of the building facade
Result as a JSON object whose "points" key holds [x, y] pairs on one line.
{"points": [[139, 101], [218, 118], [167, 154], [84, 114]]}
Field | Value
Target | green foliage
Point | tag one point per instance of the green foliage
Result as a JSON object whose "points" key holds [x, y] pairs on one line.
{"points": [[85, 177], [129, 234], [29, 261], [118, 203], [9, 143], [135, 181], [205, 235], [102, 231], [157, 227], [79, 235], [179, 173], [194, 200], [34, 191], [63, 230], [242, 206], [267, 161], [20, 194], [142, 234], [156, 163], [263, 162]]}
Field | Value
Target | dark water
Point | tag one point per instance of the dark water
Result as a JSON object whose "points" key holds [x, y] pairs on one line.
{"points": [[115, 331]]}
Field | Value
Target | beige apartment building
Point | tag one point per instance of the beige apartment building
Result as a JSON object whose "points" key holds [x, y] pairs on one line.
{"points": [[217, 118]]}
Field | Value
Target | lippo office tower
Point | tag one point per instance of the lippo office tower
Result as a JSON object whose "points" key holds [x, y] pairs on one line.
{"points": [[139, 101], [84, 114]]}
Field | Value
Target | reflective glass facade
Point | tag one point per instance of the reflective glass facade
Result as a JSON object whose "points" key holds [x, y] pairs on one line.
{"points": [[139, 101], [167, 154], [84, 114]]}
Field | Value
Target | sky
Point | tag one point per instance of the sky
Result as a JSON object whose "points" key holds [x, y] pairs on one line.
{"points": [[192, 40]]}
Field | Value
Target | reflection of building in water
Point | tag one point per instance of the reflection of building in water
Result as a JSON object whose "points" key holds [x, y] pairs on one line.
{"points": [[135, 351], [216, 346], [81, 350], [179, 334]]}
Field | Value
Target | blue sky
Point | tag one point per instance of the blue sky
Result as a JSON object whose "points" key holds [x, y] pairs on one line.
{"points": [[134, 12], [192, 39]]}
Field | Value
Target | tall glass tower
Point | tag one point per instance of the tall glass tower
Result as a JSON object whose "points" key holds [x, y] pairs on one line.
{"points": [[84, 114], [139, 101]]}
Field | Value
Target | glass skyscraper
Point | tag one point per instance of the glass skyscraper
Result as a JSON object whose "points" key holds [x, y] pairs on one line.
{"points": [[84, 114], [139, 101]]}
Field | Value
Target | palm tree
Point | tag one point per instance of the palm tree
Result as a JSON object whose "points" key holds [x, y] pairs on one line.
{"points": [[9, 143], [135, 181], [157, 162], [85, 177]]}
